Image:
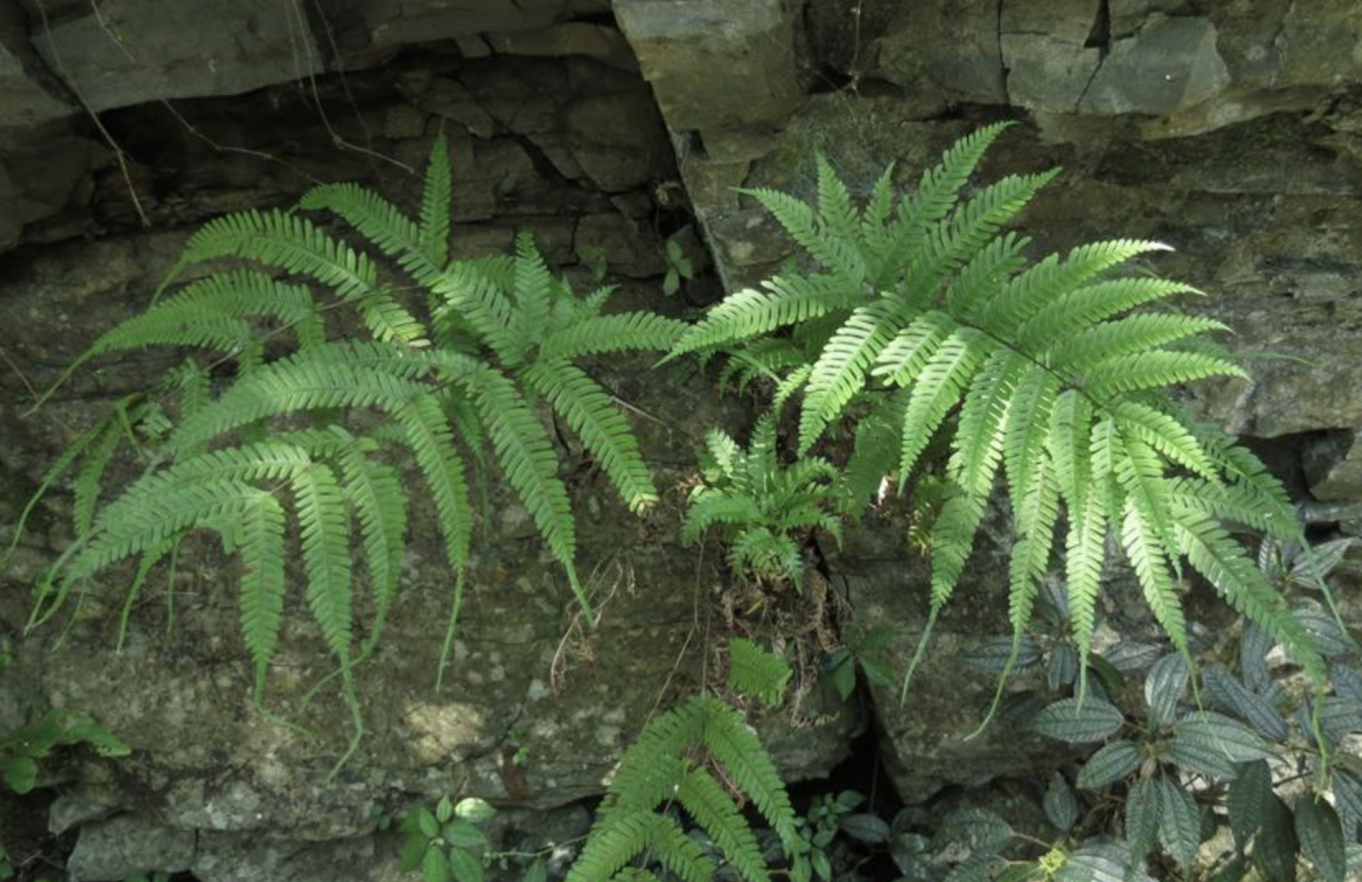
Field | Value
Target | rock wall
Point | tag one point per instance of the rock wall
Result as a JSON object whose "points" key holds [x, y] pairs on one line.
{"points": [[1232, 131]]}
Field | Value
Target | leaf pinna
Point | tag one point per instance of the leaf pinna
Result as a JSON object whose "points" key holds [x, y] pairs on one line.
{"points": [[924, 316]]}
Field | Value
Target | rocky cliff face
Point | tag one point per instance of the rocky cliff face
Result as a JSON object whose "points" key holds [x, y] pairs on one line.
{"points": [[1232, 131]]}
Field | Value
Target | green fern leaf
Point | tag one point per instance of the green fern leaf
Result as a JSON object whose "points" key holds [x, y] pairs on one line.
{"points": [[533, 296], [526, 455], [708, 508], [433, 239], [379, 221], [1149, 557], [472, 294], [937, 390], [841, 369], [757, 672], [907, 354], [324, 528], [801, 222], [1028, 429], [1151, 370], [979, 438], [680, 853], [610, 333], [375, 492], [262, 581], [1082, 307], [727, 736], [1043, 284], [1127, 336], [721, 819], [596, 419], [749, 313], [612, 844], [979, 281]]}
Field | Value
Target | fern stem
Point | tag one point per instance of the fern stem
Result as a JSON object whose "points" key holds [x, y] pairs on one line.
{"points": [[450, 630], [918, 653]]}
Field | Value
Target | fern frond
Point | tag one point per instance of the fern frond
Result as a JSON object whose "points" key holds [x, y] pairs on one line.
{"points": [[979, 281], [1225, 565], [840, 371], [937, 390], [1040, 286], [433, 235], [595, 418], [262, 581], [801, 222], [611, 333], [472, 294], [427, 433], [1027, 429], [874, 455], [86, 486], [953, 241], [324, 530], [1152, 370], [1085, 306], [839, 222], [1149, 557], [526, 455], [1165, 434], [374, 490], [680, 853], [652, 767], [390, 321], [721, 819], [287, 241], [612, 844], [1085, 552], [727, 736], [979, 438], [1127, 336], [755, 671], [749, 313], [533, 295], [952, 541], [379, 221], [937, 193], [907, 354], [1035, 523], [766, 552]]}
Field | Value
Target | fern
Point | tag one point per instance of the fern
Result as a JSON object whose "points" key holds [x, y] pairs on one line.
{"points": [[761, 505], [444, 377], [672, 760], [924, 317]]}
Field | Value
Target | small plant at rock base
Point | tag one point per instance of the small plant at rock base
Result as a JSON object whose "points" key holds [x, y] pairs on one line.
{"points": [[764, 509], [679, 267], [23, 749], [445, 843], [676, 760]]}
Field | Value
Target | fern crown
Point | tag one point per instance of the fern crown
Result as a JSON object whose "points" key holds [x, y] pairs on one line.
{"points": [[925, 317]]}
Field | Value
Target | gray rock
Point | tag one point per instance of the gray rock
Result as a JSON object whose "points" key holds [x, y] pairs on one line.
{"points": [[604, 44], [125, 846], [133, 51], [1168, 67], [247, 857], [943, 51], [715, 64], [29, 95], [1047, 73], [1333, 466]]}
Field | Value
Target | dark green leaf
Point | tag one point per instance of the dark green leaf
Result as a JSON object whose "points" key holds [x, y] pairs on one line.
{"points": [[822, 866], [467, 866], [991, 656], [1165, 687], [1142, 818], [1109, 676], [444, 810], [1275, 846], [1090, 864], [1212, 730], [1063, 667], [1347, 681], [865, 828], [1228, 693], [1179, 822], [1321, 837], [428, 824], [537, 871], [20, 772], [1200, 758], [844, 679], [1111, 763], [876, 672], [1348, 798], [1249, 796], [1067, 720], [1061, 805], [1329, 638], [413, 852], [977, 868], [980, 829], [434, 866], [464, 835], [1253, 649], [1130, 658], [1340, 717]]}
